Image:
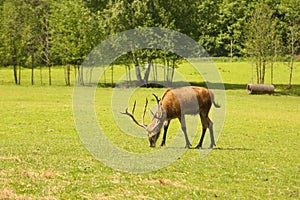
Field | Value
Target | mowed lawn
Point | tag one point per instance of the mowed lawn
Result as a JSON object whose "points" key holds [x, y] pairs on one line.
{"points": [[256, 157]]}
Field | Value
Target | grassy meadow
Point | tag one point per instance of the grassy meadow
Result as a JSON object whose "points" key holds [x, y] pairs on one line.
{"points": [[256, 157]]}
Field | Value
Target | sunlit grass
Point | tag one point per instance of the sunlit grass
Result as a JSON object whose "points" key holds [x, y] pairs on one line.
{"points": [[42, 156]]}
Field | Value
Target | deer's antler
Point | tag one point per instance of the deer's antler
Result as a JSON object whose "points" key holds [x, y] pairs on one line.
{"points": [[156, 97], [132, 115]]}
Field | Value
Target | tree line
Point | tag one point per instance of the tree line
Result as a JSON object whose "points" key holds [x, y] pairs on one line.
{"points": [[55, 32]]}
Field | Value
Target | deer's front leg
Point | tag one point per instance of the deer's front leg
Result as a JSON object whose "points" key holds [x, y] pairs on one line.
{"points": [[183, 127], [166, 126]]}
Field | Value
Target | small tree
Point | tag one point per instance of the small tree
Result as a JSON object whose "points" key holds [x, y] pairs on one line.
{"points": [[33, 29], [260, 36], [232, 16], [72, 27], [123, 15], [292, 21], [44, 36], [13, 32]]}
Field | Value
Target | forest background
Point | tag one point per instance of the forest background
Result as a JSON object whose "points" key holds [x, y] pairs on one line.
{"points": [[46, 33]]}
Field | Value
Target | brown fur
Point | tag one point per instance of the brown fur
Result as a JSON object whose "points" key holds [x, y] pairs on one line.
{"points": [[176, 103]]}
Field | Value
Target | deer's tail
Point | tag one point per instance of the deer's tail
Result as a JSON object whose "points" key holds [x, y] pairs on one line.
{"points": [[216, 105], [213, 100]]}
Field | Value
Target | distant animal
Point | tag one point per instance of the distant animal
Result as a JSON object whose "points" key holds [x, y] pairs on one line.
{"points": [[176, 103]]}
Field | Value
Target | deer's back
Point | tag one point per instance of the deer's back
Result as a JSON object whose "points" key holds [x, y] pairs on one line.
{"points": [[186, 100]]}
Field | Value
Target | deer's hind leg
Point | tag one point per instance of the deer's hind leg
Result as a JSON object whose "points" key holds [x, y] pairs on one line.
{"points": [[212, 137], [206, 123]]}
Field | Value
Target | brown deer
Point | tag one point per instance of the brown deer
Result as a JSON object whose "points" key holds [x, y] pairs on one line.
{"points": [[175, 103]]}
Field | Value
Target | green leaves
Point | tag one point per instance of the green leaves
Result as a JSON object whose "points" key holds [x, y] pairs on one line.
{"points": [[65, 31], [71, 24]]}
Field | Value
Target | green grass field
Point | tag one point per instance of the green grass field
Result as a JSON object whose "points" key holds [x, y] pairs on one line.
{"points": [[257, 154]]}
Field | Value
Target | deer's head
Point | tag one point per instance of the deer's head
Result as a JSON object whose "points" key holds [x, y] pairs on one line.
{"points": [[157, 122]]}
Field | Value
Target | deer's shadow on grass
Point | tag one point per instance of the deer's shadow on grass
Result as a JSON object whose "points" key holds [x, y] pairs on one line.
{"points": [[232, 149], [215, 148]]}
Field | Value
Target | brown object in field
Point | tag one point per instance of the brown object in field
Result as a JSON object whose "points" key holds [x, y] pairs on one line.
{"points": [[176, 103], [260, 89]]}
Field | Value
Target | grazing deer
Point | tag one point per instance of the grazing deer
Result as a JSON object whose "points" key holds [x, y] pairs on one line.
{"points": [[175, 103]]}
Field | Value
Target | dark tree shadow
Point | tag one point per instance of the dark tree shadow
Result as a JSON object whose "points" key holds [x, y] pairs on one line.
{"points": [[280, 89]]}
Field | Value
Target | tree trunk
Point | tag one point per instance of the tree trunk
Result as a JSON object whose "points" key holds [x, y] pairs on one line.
{"points": [[148, 68], [15, 74], [67, 74], [112, 75], [290, 77], [165, 72], [173, 70], [79, 76], [167, 75], [19, 82], [259, 70], [49, 70], [91, 75], [138, 75], [76, 73], [128, 75], [47, 46], [274, 60], [32, 69], [263, 71], [231, 54], [272, 74], [41, 75], [137, 69], [291, 66], [154, 72]]}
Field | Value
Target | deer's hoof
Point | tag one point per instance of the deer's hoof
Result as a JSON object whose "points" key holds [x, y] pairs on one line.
{"points": [[212, 146]]}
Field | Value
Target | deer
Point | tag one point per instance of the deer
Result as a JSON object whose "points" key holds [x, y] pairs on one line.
{"points": [[176, 103]]}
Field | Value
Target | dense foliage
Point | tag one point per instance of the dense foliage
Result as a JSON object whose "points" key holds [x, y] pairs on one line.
{"points": [[47, 32]]}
